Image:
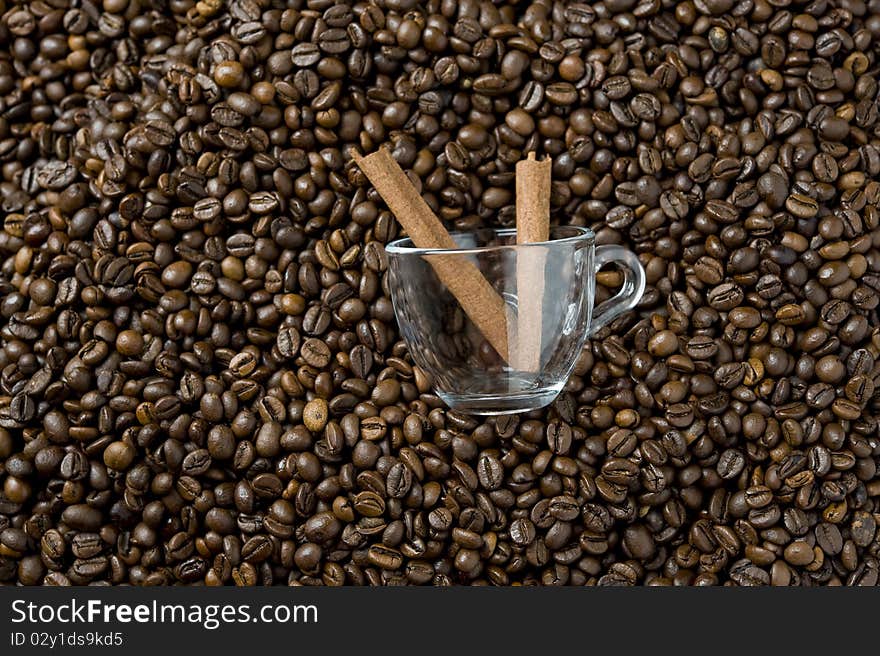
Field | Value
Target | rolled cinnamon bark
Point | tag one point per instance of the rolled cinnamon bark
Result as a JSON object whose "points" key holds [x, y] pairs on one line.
{"points": [[483, 305], [532, 225]]}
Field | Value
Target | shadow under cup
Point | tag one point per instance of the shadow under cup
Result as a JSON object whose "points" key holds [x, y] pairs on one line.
{"points": [[537, 300]]}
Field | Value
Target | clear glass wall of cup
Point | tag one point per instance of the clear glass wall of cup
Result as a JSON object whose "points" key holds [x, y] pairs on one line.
{"points": [[467, 372]]}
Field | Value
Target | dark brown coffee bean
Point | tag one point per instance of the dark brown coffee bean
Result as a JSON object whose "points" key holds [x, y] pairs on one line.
{"points": [[490, 472], [522, 532], [316, 353], [369, 504], [288, 342], [385, 558], [829, 539], [725, 296], [730, 464]]}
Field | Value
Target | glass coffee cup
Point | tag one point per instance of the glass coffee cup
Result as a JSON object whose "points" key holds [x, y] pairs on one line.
{"points": [[498, 325]]}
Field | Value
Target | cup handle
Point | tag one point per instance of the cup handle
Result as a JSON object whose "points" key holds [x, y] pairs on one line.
{"points": [[630, 292]]}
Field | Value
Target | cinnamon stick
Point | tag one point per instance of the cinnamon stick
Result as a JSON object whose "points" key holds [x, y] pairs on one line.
{"points": [[485, 307], [532, 225]]}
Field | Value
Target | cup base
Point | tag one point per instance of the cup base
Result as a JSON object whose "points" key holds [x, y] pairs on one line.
{"points": [[501, 404]]}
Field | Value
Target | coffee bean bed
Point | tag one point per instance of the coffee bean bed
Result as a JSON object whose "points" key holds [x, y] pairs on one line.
{"points": [[201, 376]]}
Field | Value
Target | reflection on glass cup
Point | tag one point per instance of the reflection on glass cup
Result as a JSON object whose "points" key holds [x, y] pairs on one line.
{"points": [[535, 302]]}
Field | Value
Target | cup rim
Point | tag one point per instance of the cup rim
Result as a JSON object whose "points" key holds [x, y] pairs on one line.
{"points": [[398, 247]]}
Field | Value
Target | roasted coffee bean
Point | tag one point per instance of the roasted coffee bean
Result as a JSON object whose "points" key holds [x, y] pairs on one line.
{"points": [[829, 538], [384, 557], [730, 464], [288, 342], [745, 573], [316, 353], [725, 296], [369, 504], [399, 480], [559, 438], [522, 532], [490, 472]]}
